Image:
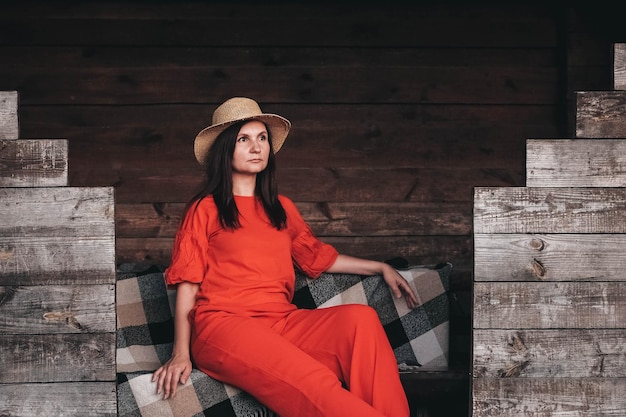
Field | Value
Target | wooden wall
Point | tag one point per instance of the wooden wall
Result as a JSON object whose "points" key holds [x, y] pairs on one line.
{"points": [[399, 111]]}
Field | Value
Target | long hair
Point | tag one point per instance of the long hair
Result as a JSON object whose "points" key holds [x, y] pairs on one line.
{"points": [[218, 182]]}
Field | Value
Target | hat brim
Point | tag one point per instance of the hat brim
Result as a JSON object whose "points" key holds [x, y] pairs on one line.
{"points": [[277, 125]]}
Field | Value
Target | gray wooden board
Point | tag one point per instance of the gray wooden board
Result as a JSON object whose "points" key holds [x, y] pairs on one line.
{"points": [[48, 309], [9, 127], [561, 353], [576, 163], [549, 257], [601, 114], [549, 210], [619, 66], [34, 163], [74, 399]]}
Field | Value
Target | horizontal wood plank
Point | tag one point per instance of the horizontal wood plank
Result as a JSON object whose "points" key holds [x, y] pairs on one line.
{"points": [[619, 66], [57, 358], [326, 219], [201, 23], [549, 257], [319, 84], [549, 397], [34, 163], [549, 353], [548, 305], [549, 210], [57, 309], [67, 399], [416, 249], [576, 163], [9, 124], [601, 114]]}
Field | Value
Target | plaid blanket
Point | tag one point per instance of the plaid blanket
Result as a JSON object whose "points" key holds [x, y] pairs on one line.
{"points": [[145, 333]]}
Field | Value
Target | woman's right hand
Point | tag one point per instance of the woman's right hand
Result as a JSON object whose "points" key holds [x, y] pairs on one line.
{"points": [[174, 371]]}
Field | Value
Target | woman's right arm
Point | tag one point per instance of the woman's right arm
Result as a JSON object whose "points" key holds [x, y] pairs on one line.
{"points": [[178, 368]]}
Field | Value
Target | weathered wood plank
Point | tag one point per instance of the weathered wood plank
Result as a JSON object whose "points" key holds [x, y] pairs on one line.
{"points": [[601, 114], [619, 66], [57, 309], [73, 399], [548, 305], [57, 358], [9, 125], [549, 257], [549, 353], [549, 210], [57, 260], [549, 397], [319, 84], [330, 219], [33, 163], [57, 212], [576, 163]]}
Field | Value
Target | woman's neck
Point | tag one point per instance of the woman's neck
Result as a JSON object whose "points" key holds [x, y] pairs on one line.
{"points": [[244, 185]]}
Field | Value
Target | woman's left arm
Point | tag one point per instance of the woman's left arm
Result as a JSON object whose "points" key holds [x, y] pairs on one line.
{"points": [[351, 265]]}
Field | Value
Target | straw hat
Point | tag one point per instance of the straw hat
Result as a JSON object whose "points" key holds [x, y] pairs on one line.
{"points": [[235, 110]]}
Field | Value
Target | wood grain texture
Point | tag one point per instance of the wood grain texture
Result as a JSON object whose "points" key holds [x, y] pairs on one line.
{"points": [[576, 163], [549, 397], [571, 353], [58, 309], [549, 210], [68, 399], [34, 163], [9, 123], [57, 358], [550, 257], [619, 66], [601, 114], [549, 305]]}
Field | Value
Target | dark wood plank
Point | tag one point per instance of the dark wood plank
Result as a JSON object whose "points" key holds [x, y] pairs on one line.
{"points": [[549, 353], [549, 397], [548, 305], [550, 257], [34, 163], [576, 163], [549, 210], [392, 84], [329, 219], [416, 249], [601, 114], [73, 399], [57, 309], [9, 126], [200, 23], [57, 358]]}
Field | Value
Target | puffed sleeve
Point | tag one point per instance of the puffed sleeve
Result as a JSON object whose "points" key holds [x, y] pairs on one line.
{"points": [[189, 254], [309, 253]]}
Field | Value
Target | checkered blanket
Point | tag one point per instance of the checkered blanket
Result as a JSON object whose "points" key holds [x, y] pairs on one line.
{"points": [[145, 333]]}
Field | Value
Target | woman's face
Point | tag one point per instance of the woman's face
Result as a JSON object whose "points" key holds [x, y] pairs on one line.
{"points": [[252, 148]]}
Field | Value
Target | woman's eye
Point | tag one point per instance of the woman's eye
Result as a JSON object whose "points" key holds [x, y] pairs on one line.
{"points": [[241, 139], [263, 137]]}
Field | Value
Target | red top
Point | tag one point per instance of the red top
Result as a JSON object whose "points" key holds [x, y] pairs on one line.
{"points": [[249, 268]]}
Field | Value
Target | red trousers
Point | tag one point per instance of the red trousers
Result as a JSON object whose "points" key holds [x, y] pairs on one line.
{"points": [[295, 362]]}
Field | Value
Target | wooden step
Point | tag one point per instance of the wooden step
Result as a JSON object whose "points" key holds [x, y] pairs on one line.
{"points": [[619, 66], [57, 235], [601, 114], [9, 128], [33, 163], [576, 163]]}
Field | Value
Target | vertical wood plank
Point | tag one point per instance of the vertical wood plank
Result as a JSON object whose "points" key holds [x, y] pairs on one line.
{"points": [[619, 66], [9, 127]]}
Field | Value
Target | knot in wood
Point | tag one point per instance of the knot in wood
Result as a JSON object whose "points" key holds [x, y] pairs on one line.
{"points": [[538, 269], [537, 244]]}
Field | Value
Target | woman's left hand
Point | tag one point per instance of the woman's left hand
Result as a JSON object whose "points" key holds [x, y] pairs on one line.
{"points": [[399, 286]]}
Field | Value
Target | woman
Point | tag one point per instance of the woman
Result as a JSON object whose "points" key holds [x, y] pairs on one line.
{"points": [[232, 264]]}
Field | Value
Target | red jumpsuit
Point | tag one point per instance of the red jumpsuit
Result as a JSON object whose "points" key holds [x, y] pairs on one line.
{"points": [[247, 333]]}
